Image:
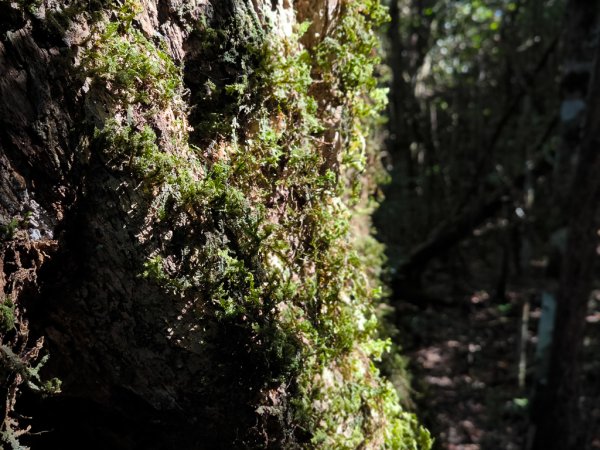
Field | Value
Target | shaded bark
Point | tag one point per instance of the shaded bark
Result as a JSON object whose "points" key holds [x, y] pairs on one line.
{"points": [[126, 383], [558, 418]]}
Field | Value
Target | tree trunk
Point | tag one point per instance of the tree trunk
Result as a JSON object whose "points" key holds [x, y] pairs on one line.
{"points": [[558, 417], [172, 224]]}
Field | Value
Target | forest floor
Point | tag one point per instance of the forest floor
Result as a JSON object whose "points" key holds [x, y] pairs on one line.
{"points": [[465, 351]]}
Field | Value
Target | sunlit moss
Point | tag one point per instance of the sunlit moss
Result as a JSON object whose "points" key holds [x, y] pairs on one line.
{"points": [[273, 204]]}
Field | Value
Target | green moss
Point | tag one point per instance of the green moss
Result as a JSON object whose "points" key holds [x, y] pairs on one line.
{"points": [[7, 316], [30, 6], [263, 216], [232, 53], [7, 232], [130, 65]]}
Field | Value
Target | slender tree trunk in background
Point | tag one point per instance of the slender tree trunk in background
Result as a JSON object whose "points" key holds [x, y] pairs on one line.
{"points": [[408, 46], [558, 418], [578, 49], [408, 36], [401, 112], [397, 146]]}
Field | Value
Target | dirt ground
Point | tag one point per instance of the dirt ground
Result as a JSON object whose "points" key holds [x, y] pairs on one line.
{"points": [[465, 351]]}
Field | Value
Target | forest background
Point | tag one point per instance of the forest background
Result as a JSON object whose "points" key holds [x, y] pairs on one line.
{"points": [[491, 217]]}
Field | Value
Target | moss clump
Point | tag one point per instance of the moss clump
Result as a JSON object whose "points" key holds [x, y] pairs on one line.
{"points": [[7, 232], [7, 317], [260, 219], [130, 65]]}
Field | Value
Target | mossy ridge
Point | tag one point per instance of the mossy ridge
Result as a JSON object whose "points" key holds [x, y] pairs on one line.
{"points": [[275, 256]]}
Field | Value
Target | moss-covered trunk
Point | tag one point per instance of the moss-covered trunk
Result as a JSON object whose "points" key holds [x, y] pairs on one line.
{"points": [[176, 197]]}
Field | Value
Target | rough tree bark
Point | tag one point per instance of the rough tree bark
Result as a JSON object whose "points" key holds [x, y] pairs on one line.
{"points": [[169, 323], [75, 265]]}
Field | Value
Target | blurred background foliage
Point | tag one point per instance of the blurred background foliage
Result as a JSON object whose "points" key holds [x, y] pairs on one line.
{"points": [[473, 106], [491, 112]]}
